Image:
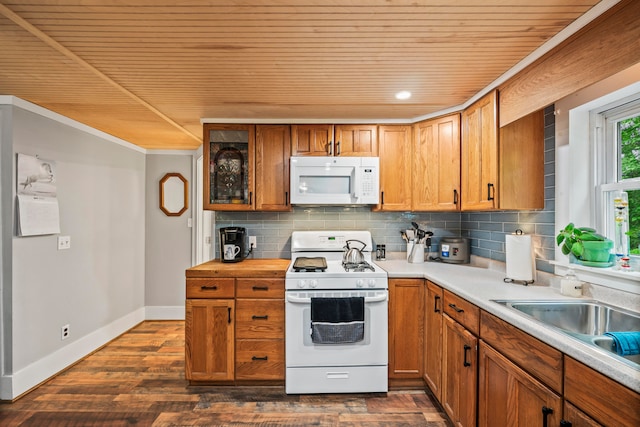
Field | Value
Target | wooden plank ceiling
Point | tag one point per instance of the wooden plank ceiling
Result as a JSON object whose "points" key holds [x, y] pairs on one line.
{"points": [[147, 71]]}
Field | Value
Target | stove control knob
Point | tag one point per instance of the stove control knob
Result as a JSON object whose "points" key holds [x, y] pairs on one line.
{"points": [[372, 283], [302, 283], [359, 283], [313, 283]]}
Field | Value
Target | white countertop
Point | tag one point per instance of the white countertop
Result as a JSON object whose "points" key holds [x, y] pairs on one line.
{"points": [[482, 285]]}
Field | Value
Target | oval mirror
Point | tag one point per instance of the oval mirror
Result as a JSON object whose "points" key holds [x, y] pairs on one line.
{"points": [[174, 199]]}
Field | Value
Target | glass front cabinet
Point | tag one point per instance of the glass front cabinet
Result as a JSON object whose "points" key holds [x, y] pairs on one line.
{"points": [[228, 167]]}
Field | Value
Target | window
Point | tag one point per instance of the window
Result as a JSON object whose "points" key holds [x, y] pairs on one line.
{"points": [[618, 165]]}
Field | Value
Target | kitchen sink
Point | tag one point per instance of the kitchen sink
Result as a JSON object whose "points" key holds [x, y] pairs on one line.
{"points": [[584, 320]]}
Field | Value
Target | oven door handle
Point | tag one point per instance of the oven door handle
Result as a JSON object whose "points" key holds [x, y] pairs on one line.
{"points": [[299, 300]]}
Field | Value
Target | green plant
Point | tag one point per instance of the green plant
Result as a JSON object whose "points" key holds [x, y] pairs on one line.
{"points": [[571, 239]]}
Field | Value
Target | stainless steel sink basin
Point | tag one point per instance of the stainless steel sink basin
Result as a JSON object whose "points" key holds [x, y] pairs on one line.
{"points": [[584, 320]]}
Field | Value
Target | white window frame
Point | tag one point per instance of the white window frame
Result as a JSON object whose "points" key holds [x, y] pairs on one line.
{"points": [[576, 177], [607, 165]]}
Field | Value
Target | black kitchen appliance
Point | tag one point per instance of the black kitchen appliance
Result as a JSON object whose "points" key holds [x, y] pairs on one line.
{"points": [[232, 244]]}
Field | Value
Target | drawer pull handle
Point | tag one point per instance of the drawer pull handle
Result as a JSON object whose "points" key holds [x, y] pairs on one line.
{"points": [[260, 288], [565, 423], [435, 304], [545, 415], [466, 351], [260, 358], [265, 317], [456, 309], [209, 288]]}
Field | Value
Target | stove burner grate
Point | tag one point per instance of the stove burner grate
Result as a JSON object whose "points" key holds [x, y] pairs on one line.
{"points": [[357, 267]]}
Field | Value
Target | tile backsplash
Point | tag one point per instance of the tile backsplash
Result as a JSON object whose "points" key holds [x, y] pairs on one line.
{"points": [[486, 230]]}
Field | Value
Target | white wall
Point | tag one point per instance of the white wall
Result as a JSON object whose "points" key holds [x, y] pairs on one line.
{"points": [[97, 286], [168, 239]]}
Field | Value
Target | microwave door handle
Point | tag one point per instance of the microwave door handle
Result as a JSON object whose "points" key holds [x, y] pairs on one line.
{"points": [[356, 183]]}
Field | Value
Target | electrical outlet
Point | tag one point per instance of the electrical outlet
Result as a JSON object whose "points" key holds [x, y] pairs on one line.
{"points": [[64, 332], [64, 242], [253, 242]]}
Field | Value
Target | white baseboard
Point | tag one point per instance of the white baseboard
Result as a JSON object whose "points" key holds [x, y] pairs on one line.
{"points": [[164, 312], [12, 386]]}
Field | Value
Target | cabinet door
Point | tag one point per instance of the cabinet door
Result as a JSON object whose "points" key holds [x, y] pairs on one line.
{"points": [[228, 153], [433, 339], [406, 327], [460, 373], [508, 396], [209, 339], [356, 140], [436, 164], [522, 163], [312, 140], [395, 168], [480, 155], [273, 149]]}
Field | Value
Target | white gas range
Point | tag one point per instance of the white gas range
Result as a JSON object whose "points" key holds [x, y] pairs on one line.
{"points": [[336, 316]]}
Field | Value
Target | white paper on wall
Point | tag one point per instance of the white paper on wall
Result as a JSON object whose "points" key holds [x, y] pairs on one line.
{"points": [[38, 210]]}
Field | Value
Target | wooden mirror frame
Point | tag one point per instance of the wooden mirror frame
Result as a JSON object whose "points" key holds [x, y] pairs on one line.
{"points": [[173, 198]]}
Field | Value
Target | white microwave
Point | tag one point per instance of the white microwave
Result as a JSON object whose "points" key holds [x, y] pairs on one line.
{"points": [[335, 180]]}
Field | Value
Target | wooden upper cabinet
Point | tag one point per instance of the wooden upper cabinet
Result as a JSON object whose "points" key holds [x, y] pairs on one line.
{"points": [[522, 163], [338, 140], [312, 140], [273, 149], [436, 164], [480, 154], [356, 140], [228, 153], [395, 168]]}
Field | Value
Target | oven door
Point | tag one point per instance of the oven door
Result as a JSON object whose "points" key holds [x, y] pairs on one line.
{"points": [[302, 352]]}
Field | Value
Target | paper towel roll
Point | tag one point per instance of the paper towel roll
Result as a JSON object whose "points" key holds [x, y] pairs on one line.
{"points": [[520, 258]]}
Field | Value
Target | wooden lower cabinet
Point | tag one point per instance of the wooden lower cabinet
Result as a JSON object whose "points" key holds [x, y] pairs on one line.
{"points": [[406, 328], [433, 339], [508, 396], [260, 339], [209, 339], [234, 329], [599, 397], [459, 373]]}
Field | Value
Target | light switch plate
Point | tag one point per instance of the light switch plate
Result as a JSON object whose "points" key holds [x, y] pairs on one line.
{"points": [[64, 242]]}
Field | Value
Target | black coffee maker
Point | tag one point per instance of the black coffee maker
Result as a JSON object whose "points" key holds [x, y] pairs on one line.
{"points": [[232, 244]]}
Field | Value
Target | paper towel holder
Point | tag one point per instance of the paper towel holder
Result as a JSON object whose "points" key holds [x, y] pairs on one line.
{"points": [[518, 232]]}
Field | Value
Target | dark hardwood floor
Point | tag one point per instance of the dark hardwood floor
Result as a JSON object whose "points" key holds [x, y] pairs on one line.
{"points": [[138, 379]]}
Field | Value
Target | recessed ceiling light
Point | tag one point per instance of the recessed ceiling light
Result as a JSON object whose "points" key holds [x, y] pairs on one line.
{"points": [[405, 94]]}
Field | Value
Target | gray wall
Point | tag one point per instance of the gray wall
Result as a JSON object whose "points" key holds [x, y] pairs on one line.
{"points": [[97, 282], [168, 240], [486, 229]]}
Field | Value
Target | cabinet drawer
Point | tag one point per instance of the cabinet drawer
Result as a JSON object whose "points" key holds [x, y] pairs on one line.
{"points": [[260, 359], [260, 288], [260, 318], [210, 288], [462, 311], [537, 358], [600, 397]]}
